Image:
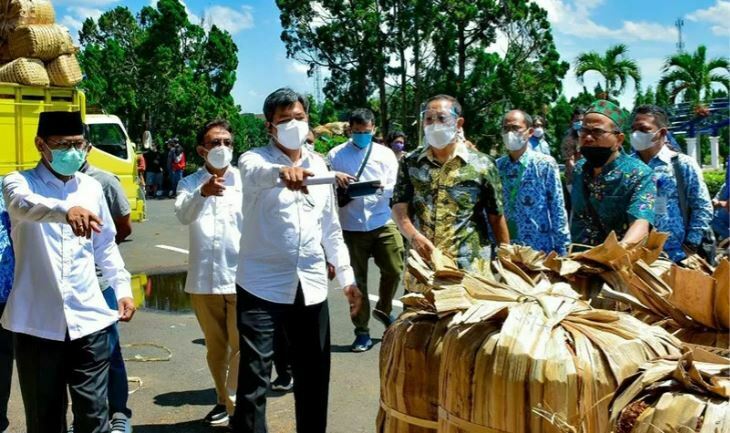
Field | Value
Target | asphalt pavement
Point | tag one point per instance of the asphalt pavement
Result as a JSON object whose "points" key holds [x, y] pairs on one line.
{"points": [[172, 396]]}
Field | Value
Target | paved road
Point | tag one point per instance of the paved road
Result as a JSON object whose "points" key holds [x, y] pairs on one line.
{"points": [[176, 394]]}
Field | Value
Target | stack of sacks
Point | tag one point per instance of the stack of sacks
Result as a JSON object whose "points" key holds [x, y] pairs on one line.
{"points": [[34, 50]]}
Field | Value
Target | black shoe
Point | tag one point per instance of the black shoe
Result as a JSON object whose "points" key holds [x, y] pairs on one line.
{"points": [[283, 384], [218, 415], [385, 319]]}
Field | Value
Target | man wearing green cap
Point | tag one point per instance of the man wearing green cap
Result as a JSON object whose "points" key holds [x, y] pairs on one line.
{"points": [[611, 190]]}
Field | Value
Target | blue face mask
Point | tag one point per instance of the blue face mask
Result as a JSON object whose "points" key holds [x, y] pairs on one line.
{"points": [[68, 161], [577, 126], [362, 139]]}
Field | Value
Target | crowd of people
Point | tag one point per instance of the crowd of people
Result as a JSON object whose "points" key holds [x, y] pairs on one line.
{"points": [[267, 236]]}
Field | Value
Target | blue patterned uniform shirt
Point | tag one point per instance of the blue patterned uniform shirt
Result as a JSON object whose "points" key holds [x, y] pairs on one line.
{"points": [[7, 258], [721, 220], [533, 202], [668, 213]]}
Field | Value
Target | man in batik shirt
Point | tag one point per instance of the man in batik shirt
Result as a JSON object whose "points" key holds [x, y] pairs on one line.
{"points": [[533, 195], [447, 194], [611, 190], [679, 180]]}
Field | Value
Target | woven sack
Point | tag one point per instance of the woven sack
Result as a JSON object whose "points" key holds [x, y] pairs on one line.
{"points": [[64, 71], [42, 41], [16, 13], [30, 72]]}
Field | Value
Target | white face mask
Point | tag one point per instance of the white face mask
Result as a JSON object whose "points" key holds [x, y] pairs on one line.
{"points": [[513, 141], [538, 132], [219, 157], [292, 133], [642, 140], [439, 135]]}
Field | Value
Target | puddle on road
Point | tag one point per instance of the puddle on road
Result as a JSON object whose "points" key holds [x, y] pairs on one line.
{"points": [[162, 292]]}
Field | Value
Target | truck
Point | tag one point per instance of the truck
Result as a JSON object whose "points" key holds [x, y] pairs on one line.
{"points": [[113, 150]]}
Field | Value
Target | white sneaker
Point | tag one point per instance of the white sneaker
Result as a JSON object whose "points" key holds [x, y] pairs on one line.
{"points": [[120, 423]]}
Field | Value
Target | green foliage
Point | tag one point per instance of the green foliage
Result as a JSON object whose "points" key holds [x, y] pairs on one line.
{"points": [[615, 67], [714, 180], [324, 144], [159, 72], [690, 76], [391, 55]]}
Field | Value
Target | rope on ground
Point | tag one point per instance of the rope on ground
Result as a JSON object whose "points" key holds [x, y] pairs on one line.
{"points": [[140, 358], [138, 381]]}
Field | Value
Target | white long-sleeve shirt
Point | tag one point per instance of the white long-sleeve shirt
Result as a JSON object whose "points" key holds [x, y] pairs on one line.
{"points": [[55, 288], [287, 234], [364, 214], [215, 232]]}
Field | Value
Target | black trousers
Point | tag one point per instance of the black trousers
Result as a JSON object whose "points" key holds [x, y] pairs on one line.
{"points": [[282, 355], [6, 371], [46, 368], [308, 332]]}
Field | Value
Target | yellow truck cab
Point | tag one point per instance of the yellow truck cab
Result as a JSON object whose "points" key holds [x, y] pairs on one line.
{"points": [[113, 151]]}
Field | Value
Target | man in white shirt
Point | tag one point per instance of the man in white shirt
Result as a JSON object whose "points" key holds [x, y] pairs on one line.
{"points": [[61, 229], [209, 201], [289, 228], [367, 227]]}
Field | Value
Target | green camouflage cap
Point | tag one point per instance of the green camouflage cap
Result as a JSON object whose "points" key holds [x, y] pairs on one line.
{"points": [[608, 109]]}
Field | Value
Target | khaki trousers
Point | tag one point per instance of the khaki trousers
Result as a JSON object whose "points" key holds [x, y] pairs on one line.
{"points": [[216, 315]]}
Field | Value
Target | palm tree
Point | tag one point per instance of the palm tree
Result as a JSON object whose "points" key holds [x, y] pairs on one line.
{"points": [[691, 76], [615, 67]]}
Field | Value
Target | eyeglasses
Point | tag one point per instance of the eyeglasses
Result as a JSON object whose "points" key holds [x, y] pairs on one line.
{"points": [[68, 144], [595, 132], [512, 128], [432, 116], [221, 141]]}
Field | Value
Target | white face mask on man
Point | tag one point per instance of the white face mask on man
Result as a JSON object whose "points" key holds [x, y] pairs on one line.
{"points": [[219, 157], [642, 140], [292, 134], [513, 141], [439, 135]]}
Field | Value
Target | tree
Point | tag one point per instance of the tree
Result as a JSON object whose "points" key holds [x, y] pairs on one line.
{"points": [[614, 66], [161, 73], [390, 55], [691, 76]]}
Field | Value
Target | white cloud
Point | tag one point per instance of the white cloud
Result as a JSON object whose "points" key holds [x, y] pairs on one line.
{"points": [[298, 68], [76, 15], [719, 15], [575, 20], [232, 20]]}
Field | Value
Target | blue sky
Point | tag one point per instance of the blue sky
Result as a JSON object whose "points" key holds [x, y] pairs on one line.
{"points": [[646, 27]]}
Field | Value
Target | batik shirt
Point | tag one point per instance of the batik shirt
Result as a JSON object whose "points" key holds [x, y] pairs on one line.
{"points": [[533, 202], [7, 258], [668, 213], [449, 203], [622, 193], [721, 219]]}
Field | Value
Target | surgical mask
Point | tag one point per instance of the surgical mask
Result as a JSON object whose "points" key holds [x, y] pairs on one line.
{"points": [[439, 135], [66, 162], [397, 146], [642, 140], [292, 134], [219, 157], [513, 141], [538, 132], [577, 126], [362, 139], [596, 156]]}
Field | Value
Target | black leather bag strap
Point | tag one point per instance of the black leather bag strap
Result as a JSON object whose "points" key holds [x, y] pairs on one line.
{"points": [[364, 162]]}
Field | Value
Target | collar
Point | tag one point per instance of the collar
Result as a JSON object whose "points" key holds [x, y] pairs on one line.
{"points": [[49, 178], [460, 151], [524, 158], [665, 155], [283, 157]]}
